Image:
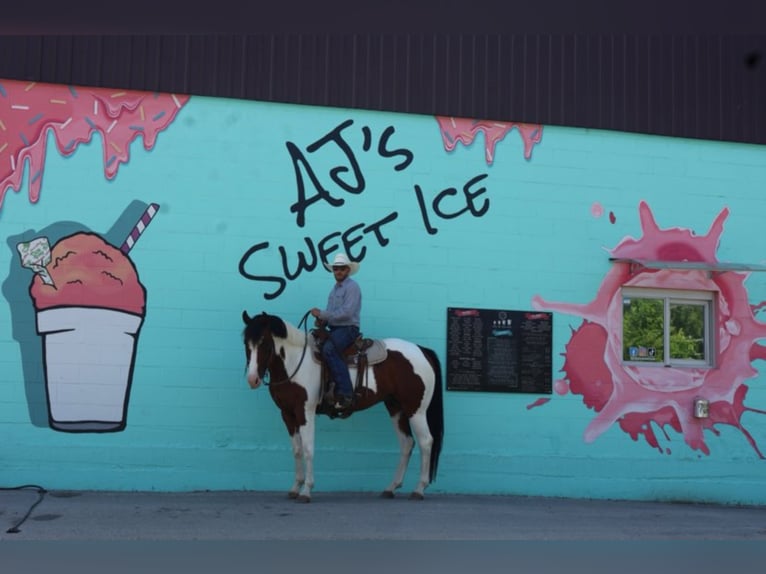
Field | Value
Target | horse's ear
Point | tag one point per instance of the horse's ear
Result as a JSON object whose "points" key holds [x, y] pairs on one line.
{"points": [[245, 317]]}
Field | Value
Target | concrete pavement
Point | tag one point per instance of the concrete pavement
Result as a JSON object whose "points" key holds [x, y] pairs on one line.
{"points": [[245, 515], [339, 532]]}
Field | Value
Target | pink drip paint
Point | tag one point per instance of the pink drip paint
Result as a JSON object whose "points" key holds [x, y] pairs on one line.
{"points": [[642, 398], [28, 111], [462, 130]]}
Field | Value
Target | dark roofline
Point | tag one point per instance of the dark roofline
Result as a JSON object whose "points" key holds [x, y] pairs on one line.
{"points": [[707, 83]]}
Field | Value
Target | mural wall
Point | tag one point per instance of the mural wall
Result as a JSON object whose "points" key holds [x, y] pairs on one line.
{"points": [[137, 227]]}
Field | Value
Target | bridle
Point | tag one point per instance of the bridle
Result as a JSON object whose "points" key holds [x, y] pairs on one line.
{"points": [[303, 354]]}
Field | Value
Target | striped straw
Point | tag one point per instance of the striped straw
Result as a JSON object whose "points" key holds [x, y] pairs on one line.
{"points": [[138, 229]]}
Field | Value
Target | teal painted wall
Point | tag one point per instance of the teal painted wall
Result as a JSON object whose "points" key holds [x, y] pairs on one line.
{"points": [[222, 176]]}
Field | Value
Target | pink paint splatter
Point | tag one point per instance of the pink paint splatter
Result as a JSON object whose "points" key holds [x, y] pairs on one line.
{"points": [[463, 130], [560, 386], [29, 110], [596, 210], [538, 403], [636, 396]]}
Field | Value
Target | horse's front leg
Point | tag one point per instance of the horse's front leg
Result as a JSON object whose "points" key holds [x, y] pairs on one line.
{"points": [[306, 432], [297, 443]]}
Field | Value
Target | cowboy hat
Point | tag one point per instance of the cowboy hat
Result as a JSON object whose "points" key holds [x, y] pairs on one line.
{"points": [[342, 261]]}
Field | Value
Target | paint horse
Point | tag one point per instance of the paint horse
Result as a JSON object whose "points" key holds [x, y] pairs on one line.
{"points": [[407, 381]]}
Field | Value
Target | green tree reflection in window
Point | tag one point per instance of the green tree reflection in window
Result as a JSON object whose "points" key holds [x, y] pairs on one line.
{"points": [[643, 328], [656, 320], [687, 331]]}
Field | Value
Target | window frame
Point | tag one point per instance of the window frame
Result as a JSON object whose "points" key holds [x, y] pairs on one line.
{"points": [[669, 297]]}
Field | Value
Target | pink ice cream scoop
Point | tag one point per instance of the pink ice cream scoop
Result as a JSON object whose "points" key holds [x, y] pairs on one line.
{"points": [[86, 271]]}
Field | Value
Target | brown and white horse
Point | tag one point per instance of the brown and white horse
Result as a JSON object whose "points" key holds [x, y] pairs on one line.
{"points": [[408, 382]]}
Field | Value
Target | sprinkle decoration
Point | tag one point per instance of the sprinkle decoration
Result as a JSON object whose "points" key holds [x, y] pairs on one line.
{"points": [[31, 111]]}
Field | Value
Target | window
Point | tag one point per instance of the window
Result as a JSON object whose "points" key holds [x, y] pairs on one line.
{"points": [[667, 328]]}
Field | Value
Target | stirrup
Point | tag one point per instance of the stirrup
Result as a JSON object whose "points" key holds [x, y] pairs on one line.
{"points": [[343, 403]]}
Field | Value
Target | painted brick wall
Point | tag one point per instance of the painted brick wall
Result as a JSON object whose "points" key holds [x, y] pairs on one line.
{"points": [[224, 181]]}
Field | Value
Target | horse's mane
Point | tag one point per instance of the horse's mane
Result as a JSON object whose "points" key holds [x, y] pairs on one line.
{"points": [[279, 328], [295, 336]]}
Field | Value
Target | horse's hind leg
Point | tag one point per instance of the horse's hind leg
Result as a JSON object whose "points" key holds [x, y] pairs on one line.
{"points": [[297, 444], [419, 425], [406, 444]]}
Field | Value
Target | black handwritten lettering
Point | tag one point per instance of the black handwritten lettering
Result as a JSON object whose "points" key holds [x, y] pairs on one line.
{"points": [[385, 152], [336, 137], [326, 250], [449, 203], [472, 195], [436, 204], [452, 192], [367, 143], [349, 242], [302, 260], [469, 200], [356, 185], [375, 228], [424, 211], [303, 202], [316, 252], [279, 280]]}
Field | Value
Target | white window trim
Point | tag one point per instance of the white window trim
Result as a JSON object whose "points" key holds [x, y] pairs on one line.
{"points": [[669, 296]]}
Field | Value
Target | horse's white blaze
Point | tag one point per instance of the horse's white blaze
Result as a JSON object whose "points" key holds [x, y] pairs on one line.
{"points": [[252, 368]]}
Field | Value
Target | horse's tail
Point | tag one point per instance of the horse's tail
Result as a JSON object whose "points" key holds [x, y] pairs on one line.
{"points": [[435, 413]]}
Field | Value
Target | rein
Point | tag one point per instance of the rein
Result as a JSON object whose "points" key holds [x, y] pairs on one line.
{"points": [[303, 353]]}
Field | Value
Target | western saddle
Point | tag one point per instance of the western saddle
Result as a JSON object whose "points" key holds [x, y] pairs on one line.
{"points": [[355, 354]]}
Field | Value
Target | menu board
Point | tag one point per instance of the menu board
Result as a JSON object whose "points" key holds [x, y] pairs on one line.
{"points": [[496, 350]]}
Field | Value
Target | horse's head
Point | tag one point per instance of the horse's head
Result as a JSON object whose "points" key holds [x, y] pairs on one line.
{"points": [[260, 348]]}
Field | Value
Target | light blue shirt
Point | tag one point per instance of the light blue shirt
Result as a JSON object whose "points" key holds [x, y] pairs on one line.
{"points": [[344, 304]]}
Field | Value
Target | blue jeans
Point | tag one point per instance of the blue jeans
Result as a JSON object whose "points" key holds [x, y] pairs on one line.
{"points": [[332, 351]]}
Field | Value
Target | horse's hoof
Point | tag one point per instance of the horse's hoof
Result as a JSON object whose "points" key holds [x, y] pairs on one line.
{"points": [[417, 496], [304, 498], [292, 494], [387, 494]]}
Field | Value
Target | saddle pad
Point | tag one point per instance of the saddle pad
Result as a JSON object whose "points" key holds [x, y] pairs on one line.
{"points": [[377, 353]]}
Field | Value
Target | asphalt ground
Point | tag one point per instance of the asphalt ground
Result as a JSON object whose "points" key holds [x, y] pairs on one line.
{"points": [[247, 515], [444, 532]]}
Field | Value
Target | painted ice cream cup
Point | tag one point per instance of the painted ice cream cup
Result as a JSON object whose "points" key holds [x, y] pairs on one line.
{"points": [[90, 307], [89, 358]]}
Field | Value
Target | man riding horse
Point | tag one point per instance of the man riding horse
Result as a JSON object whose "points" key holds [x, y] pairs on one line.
{"points": [[341, 317]]}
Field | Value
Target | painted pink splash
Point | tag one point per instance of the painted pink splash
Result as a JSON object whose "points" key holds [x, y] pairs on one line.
{"points": [[636, 396], [463, 130], [29, 110], [539, 402], [596, 210]]}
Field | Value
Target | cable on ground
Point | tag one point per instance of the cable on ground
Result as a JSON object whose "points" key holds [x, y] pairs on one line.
{"points": [[40, 495]]}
